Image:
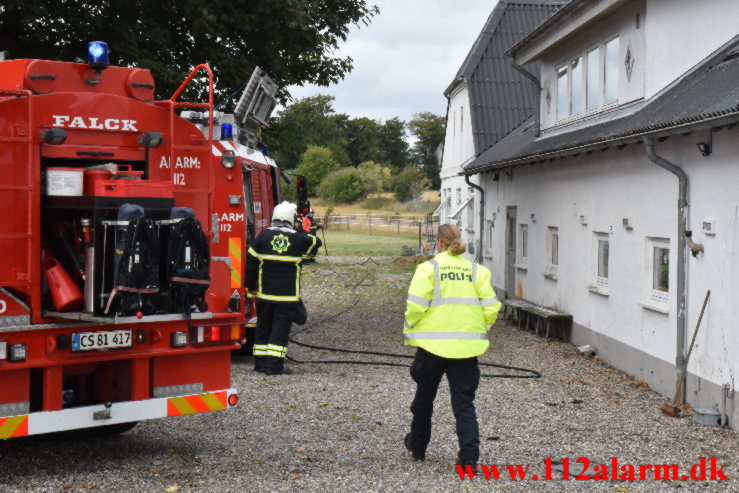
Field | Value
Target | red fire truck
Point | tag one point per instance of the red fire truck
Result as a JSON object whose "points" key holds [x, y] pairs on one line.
{"points": [[123, 231]]}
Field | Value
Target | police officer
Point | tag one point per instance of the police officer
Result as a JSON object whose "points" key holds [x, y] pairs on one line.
{"points": [[273, 276], [450, 307]]}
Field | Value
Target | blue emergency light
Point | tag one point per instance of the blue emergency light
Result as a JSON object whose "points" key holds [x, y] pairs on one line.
{"points": [[227, 132], [97, 55]]}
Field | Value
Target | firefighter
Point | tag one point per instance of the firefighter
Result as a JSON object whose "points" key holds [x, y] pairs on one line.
{"points": [[273, 265], [451, 306]]}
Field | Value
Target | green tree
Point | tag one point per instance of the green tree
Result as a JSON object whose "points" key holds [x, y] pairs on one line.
{"points": [[362, 140], [410, 183], [393, 148], [315, 163], [428, 129], [344, 185], [377, 177], [295, 41], [308, 121]]}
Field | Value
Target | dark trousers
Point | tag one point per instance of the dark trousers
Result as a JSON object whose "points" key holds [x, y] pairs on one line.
{"points": [[274, 321], [463, 376]]}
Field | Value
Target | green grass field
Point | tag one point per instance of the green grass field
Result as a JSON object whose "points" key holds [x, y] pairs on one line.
{"points": [[362, 243]]}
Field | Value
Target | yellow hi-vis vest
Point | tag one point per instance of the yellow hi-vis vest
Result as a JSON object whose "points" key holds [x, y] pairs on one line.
{"points": [[450, 306]]}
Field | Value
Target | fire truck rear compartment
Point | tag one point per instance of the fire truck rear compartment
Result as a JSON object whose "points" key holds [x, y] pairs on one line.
{"points": [[53, 388]]}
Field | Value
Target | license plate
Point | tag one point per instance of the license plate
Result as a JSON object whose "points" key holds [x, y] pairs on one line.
{"points": [[90, 341]]}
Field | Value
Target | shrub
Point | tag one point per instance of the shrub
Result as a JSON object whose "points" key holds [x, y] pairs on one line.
{"points": [[377, 177], [315, 164], [344, 185], [409, 184]]}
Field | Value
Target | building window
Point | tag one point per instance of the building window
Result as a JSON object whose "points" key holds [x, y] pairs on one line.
{"points": [[459, 196], [461, 119], [562, 100], [576, 92], [611, 71], [489, 239], [471, 217], [523, 249], [593, 79], [591, 86], [659, 250], [601, 269], [603, 250], [552, 267]]}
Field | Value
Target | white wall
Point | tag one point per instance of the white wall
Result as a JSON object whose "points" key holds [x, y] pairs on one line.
{"points": [[459, 146], [681, 33], [621, 23], [606, 187], [459, 150]]}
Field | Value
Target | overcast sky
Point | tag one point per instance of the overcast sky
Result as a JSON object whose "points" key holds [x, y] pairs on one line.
{"points": [[405, 58]]}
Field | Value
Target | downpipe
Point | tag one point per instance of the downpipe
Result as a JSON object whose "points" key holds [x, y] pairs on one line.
{"points": [[682, 264], [537, 84], [481, 234]]}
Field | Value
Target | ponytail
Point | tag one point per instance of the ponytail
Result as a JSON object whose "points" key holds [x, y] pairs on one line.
{"points": [[451, 238]]}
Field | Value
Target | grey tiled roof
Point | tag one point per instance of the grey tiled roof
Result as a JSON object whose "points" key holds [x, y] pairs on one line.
{"points": [[500, 97], [705, 97]]}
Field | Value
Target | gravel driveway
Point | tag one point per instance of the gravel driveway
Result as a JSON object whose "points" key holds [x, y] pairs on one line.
{"points": [[336, 427]]}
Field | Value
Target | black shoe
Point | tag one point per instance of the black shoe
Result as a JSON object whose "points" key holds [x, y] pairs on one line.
{"points": [[417, 456], [275, 371], [464, 462], [260, 369]]}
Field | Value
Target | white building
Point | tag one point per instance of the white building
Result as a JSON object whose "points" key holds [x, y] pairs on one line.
{"points": [[583, 201], [486, 100]]}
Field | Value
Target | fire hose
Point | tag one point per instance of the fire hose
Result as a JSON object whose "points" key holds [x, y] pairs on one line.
{"points": [[527, 372]]}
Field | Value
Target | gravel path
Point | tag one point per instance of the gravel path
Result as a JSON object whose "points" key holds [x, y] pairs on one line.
{"points": [[339, 427]]}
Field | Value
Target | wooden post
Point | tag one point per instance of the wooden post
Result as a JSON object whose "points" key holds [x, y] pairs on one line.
{"points": [[420, 245]]}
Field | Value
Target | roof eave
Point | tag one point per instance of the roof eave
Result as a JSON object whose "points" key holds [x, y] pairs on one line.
{"points": [[730, 118], [455, 83]]}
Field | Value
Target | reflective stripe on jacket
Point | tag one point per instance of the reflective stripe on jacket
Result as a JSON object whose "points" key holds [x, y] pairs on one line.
{"points": [[273, 263], [450, 304]]}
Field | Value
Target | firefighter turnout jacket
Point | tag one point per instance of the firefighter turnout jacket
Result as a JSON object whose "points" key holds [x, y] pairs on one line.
{"points": [[450, 307], [273, 263]]}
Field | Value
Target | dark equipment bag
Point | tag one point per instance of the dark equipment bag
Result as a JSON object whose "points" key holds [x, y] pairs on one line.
{"points": [[137, 277], [188, 267]]}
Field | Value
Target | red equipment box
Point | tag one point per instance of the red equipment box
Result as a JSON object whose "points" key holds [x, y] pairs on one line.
{"points": [[133, 188], [93, 176]]}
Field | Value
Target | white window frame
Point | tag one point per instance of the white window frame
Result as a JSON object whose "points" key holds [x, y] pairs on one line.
{"points": [[552, 269], [566, 99], [656, 300], [522, 246], [490, 226], [471, 216], [602, 105], [618, 71], [600, 284]]}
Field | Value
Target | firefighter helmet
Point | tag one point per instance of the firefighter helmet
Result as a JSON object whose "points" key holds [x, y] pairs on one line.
{"points": [[285, 212]]}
